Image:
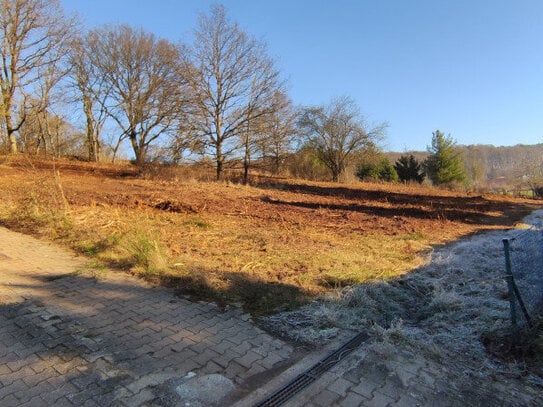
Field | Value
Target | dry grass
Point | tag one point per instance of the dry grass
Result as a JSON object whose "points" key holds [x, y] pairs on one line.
{"points": [[271, 246]]}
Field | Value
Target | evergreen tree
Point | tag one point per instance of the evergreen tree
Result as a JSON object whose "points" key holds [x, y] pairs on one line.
{"points": [[444, 165], [409, 169]]}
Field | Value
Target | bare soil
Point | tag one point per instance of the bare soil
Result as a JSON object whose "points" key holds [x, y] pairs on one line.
{"points": [[271, 245]]}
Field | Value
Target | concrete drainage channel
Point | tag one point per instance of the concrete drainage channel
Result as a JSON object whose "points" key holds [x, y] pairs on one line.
{"points": [[304, 379]]}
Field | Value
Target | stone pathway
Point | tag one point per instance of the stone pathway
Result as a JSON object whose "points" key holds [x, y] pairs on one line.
{"points": [[68, 339]]}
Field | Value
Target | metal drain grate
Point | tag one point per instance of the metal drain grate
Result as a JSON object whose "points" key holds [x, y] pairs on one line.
{"points": [[309, 376]]}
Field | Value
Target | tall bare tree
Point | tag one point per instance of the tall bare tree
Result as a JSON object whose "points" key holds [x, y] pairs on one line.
{"points": [[146, 92], [31, 32], [262, 106], [91, 93], [49, 95], [336, 131], [278, 131], [231, 77]]}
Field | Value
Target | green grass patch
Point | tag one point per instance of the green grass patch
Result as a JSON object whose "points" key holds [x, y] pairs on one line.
{"points": [[198, 222]]}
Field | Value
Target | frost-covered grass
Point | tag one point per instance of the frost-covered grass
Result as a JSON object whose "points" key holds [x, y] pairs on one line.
{"points": [[441, 309]]}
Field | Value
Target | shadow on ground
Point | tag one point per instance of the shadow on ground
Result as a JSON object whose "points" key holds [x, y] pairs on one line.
{"points": [[468, 209], [81, 340]]}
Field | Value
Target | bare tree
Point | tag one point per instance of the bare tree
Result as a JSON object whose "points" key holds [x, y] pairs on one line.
{"points": [[45, 132], [278, 132], [262, 106], [49, 94], [336, 131], [231, 78], [146, 92], [91, 93], [31, 32]]}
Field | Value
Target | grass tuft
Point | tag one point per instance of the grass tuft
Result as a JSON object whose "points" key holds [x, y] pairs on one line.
{"points": [[145, 254]]}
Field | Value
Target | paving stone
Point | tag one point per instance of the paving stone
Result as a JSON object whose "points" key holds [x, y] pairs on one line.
{"points": [[379, 400], [224, 359], [239, 338], [248, 359], [33, 391], [325, 398], [340, 386], [186, 365], [255, 369], [354, 400], [205, 356], [11, 357], [140, 398], [407, 400], [35, 402], [15, 387], [4, 369], [9, 401], [64, 402], [243, 347], [93, 403], [235, 371], [184, 345], [225, 346], [365, 388], [211, 368]]}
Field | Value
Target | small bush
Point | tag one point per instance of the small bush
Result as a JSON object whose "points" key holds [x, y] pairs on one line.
{"points": [[382, 170]]}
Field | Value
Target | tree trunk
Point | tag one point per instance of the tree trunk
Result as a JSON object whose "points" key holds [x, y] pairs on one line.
{"points": [[12, 142], [94, 149], [138, 152], [220, 160], [246, 161], [10, 130], [276, 162], [92, 137]]}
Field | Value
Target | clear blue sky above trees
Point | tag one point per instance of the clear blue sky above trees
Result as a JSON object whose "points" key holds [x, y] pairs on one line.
{"points": [[471, 68]]}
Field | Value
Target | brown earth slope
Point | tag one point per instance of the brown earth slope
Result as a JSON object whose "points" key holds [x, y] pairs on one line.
{"points": [[270, 245]]}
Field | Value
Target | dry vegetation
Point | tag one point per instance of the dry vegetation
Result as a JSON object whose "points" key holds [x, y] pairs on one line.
{"points": [[271, 246]]}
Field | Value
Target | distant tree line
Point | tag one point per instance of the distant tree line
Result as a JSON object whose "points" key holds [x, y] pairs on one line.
{"points": [[92, 94], [505, 169]]}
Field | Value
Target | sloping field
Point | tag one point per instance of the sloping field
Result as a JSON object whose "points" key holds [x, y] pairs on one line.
{"points": [[272, 245]]}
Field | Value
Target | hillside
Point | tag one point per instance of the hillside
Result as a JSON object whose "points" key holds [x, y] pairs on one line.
{"points": [[272, 245]]}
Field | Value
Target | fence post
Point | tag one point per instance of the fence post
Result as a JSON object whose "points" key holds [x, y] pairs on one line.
{"points": [[510, 282]]}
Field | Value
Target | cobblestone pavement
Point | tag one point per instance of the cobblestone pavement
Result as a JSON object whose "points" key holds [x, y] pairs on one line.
{"points": [[68, 339], [73, 339]]}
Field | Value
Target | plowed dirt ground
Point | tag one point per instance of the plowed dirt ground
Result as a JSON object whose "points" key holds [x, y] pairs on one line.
{"points": [[271, 245]]}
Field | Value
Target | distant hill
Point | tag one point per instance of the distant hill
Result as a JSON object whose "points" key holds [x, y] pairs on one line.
{"points": [[515, 161]]}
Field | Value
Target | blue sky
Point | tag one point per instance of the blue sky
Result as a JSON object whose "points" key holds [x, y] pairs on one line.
{"points": [[471, 68]]}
